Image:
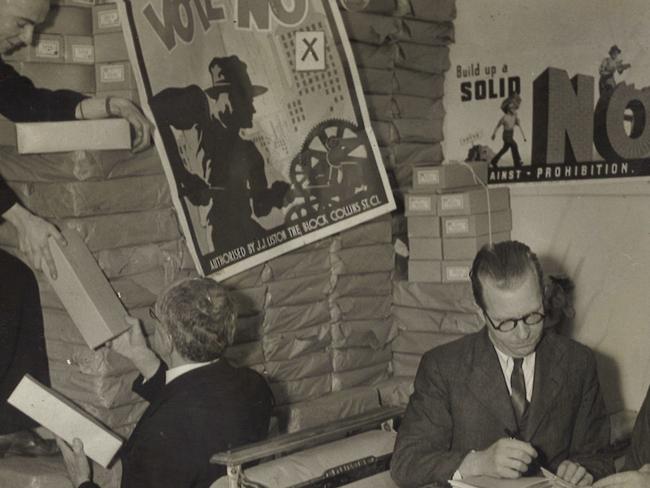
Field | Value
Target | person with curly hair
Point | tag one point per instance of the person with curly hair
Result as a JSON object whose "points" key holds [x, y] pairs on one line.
{"points": [[199, 403]]}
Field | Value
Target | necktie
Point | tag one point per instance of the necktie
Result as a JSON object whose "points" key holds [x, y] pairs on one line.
{"points": [[518, 395]]}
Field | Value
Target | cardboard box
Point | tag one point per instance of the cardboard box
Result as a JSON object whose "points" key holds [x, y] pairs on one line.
{"points": [[77, 77], [420, 204], [7, 133], [85, 292], [106, 18], [45, 48], [476, 225], [114, 76], [460, 248], [76, 3], [452, 175], [425, 271], [473, 200], [423, 226], [76, 135], [79, 49], [69, 20], [63, 418], [456, 271], [110, 46], [128, 94], [425, 248]]}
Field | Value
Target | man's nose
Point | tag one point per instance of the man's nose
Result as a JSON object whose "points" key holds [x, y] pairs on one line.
{"points": [[27, 34], [523, 330]]}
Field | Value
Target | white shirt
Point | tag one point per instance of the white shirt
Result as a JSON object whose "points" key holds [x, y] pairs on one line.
{"points": [[528, 366], [507, 365], [173, 373]]}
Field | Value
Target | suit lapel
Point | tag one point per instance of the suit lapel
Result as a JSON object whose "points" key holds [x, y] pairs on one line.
{"points": [[487, 383], [550, 376]]}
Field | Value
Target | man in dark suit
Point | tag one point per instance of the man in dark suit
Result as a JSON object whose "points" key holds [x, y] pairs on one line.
{"points": [[637, 461], [199, 404], [508, 399], [22, 345]]}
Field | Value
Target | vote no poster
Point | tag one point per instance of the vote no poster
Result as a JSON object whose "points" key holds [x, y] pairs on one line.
{"points": [[261, 124], [550, 91]]}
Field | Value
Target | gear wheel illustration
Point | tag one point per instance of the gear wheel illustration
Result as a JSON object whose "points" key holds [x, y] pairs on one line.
{"points": [[330, 167]]}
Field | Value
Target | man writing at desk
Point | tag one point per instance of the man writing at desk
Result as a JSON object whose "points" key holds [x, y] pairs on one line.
{"points": [[510, 398]]}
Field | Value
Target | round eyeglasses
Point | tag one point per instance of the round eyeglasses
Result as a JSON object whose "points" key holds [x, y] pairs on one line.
{"points": [[507, 325]]}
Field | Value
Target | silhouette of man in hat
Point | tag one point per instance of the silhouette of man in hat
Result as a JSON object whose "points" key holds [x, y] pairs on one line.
{"points": [[608, 69], [234, 181]]}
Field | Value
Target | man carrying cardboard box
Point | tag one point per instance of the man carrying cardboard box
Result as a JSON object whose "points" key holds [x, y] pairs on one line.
{"points": [[22, 346], [199, 403]]}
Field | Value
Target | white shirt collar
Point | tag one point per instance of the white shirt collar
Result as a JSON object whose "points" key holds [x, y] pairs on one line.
{"points": [[528, 366], [173, 373]]}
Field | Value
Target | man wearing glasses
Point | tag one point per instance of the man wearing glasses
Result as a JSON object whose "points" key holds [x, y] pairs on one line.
{"points": [[509, 399]]}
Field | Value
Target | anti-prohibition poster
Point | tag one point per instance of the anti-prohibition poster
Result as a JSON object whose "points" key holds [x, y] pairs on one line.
{"points": [[261, 124], [550, 91]]}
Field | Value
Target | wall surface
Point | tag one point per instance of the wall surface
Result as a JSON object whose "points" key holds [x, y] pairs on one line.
{"points": [[598, 234]]}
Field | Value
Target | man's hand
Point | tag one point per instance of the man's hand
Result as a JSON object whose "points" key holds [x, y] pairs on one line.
{"points": [[75, 460], [627, 479], [33, 235], [132, 344], [506, 458], [574, 473], [122, 107]]}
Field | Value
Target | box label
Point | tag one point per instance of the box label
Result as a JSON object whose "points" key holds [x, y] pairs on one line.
{"points": [[112, 73], [428, 177], [457, 273], [83, 53], [108, 19], [452, 202], [420, 204], [457, 226], [48, 48]]}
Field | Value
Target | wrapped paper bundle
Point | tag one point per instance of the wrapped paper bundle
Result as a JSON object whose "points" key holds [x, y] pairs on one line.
{"points": [[405, 364], [296, 317], [301, 390], [359, 357], [363, 259], [299, 264], [376, 57], [301, 290], [455, 297], [427, 320], [245, 354], [419, 57], [362, 308], [292, 344], [395, 390], [307, 366], [420, 342], [365, 284], [374, 334], [362, 376]]}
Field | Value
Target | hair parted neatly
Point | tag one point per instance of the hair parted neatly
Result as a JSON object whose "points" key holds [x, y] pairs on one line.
{"points": [[505, 264], [200, 317]]}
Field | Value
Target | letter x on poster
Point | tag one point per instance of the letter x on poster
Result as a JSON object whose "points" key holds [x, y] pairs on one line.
{"points": [[261, 124]]}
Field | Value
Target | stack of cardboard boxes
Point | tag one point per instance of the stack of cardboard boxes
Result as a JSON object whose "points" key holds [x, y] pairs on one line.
{"points": [[450, 216], [113, 74]]}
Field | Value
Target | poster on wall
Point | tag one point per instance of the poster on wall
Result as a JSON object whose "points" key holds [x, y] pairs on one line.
{"points": [[261, 124], [550, 91]]}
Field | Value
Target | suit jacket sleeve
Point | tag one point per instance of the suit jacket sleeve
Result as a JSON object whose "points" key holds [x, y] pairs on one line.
{"points": [[639, 455], [591, 427], [150, 388], [423, 451]]}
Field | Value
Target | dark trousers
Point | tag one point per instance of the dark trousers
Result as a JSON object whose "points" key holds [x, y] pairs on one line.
{"points": [[508, 143], [22, 342]]}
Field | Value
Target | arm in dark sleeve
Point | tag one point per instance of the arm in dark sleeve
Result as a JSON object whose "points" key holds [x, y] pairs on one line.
{"points": [[423, 451], [182, 109], [148, 389], [88, 484], [21, 101], [7, 196], [591, 427], [639, 454]]}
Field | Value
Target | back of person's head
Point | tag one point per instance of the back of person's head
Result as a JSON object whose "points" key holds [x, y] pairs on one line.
{"points": [[200, 317], [505, 264]]}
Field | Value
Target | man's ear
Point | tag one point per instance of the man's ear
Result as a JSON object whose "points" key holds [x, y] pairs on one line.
{"points": [[166, 343]]}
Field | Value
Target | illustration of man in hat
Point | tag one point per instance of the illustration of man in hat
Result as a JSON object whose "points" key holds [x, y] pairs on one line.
{"points": [[508, 121], [608, 68], [233, 179]]}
